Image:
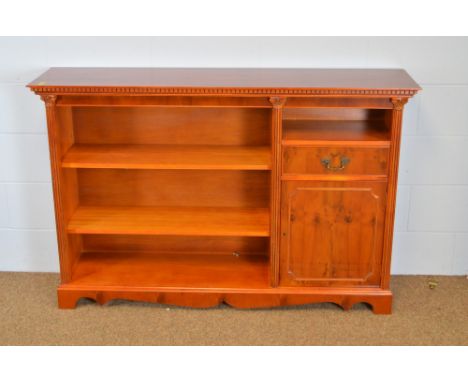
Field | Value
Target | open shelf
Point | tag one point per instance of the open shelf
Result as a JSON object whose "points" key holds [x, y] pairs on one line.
{"points": [[173, 157], [313, 132], [196, 221], [137, 269]]}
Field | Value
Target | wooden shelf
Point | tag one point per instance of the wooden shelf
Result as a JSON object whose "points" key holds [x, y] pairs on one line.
{"points": [[189, 221], [318, 132], [137, 269], [168, 157]]}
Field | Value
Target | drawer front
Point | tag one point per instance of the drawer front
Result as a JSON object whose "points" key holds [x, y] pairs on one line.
{"points": [[335, 160]]}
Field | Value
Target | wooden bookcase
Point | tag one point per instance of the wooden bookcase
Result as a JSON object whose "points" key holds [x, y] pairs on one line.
{"points": [[253, 187]]}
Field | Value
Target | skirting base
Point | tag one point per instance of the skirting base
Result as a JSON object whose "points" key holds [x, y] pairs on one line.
{"points": [[380, 300]]}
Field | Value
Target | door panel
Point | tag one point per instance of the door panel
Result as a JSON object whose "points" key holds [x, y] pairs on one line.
{"points": [[331, 233]]}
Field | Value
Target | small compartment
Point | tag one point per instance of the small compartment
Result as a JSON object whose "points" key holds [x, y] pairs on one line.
{"points": [[314, 126]]}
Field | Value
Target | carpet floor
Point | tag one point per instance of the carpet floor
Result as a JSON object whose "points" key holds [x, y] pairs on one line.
{"points": [[421, 316]]}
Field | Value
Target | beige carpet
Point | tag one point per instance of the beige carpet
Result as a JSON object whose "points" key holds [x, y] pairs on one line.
{"points": [[422, 316]]}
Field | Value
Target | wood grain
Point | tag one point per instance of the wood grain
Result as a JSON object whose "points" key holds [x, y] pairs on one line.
{"points": [[173, 157], [66, 198], [396, 121], [361, 161], [243, 298], [275, 200], [337, 103], [136, 269], [334, 114], [188, 245], [172, 126], [352, 82], [164, 101], [174, 188], [345, 133], [332, 233], [196, 221]]}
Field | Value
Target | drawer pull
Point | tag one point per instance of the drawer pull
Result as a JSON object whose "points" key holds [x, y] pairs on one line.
{"points": [[343, 162]]}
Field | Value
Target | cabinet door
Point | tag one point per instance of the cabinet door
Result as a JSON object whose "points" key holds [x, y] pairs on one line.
{"points": [[331, 233]]}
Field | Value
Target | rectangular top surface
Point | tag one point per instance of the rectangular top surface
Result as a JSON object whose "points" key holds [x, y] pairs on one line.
{"points": [[373, 79]]}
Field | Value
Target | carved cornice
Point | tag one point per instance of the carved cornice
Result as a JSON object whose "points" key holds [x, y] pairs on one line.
{"points": [[277, 102], [49, 99], [219, 91], [399, 103]]}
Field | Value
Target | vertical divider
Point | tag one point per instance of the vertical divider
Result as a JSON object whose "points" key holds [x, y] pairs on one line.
{"points": [[396, 122], [276, 128]]}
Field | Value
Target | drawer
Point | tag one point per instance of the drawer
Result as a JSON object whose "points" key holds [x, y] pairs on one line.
{"points": [[335, 160]]}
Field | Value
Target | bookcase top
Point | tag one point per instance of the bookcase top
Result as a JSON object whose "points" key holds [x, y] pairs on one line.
{"points": [[199, 81]]}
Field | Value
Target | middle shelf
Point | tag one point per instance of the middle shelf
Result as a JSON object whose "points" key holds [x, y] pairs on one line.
{"points": [[190, 221], [168, 157]]}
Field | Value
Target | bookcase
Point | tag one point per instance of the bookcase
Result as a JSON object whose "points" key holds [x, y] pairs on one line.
{"points": [[252, 187]]}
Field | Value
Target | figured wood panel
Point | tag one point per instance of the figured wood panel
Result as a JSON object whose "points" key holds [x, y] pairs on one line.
{"points": [[172, 126], [196, 221], [309, 160], [189, 188], [332, 233], [189, 245], [136, 269], [176, 157], [314, 133]]}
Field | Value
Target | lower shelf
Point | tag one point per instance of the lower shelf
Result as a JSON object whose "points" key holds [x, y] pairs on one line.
{"points": [[199, 281], [133, 269]]}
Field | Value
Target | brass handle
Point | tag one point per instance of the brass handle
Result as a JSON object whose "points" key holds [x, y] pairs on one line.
{"points": [[343, 162]]}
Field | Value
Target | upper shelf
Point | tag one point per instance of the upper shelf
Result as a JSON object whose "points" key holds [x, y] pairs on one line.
{"points": [[168, 157], [314, 132]]}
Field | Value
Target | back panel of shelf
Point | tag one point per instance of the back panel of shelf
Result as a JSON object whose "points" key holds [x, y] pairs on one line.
{"points": [[172, 126], [316, 125]]}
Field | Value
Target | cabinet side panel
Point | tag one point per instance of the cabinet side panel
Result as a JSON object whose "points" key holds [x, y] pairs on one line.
{"points": [[395, 121], [60, 132]]}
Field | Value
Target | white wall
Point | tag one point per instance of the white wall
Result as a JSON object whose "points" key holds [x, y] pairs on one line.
{"points": [[432, 210]]}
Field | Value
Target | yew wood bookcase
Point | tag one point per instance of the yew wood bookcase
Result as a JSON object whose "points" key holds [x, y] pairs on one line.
{"points": [[253, 187]]}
